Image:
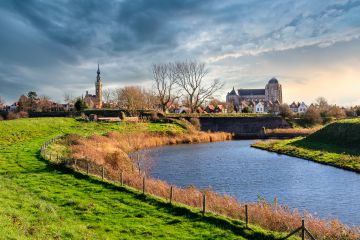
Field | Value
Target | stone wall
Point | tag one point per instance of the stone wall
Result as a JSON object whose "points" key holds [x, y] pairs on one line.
{"points": [[242, 126]]}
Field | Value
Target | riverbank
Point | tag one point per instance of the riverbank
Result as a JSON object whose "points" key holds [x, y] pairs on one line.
{"points": [[335, 145], [110, 151], [43, 201]]}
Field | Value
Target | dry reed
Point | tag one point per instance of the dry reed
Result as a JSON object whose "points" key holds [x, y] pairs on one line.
{"points": [[292, 131], [112, 152]]}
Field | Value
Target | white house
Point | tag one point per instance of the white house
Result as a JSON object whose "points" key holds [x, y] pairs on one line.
{"points": [[302, 108], [13, 107], [298, 107], [259, 107], [183, 110]]}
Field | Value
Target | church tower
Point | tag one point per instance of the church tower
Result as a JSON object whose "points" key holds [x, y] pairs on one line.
{"points": [[98, 89], [273, 91]]}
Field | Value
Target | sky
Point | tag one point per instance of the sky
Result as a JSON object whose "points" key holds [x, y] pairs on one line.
{"points": [[53, 47]]}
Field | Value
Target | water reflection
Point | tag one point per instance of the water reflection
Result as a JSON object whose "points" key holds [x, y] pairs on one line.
{"points": [[234, 168]]}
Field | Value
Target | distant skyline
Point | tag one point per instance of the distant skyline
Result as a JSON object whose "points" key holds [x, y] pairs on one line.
{"points": [[53, 47]]}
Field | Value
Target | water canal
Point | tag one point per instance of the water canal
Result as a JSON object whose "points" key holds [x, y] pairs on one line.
{"points": [[237, 169]]}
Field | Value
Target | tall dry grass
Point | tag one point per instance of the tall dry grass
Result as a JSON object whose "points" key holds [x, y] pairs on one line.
{"points": [[112, 152], [292, 131]]}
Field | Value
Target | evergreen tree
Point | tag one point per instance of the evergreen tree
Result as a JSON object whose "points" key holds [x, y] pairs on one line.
{"points": [[80, 104]]}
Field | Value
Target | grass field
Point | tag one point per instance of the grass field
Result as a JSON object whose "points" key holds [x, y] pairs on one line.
{"points": [[337, 144], [43, 201]]}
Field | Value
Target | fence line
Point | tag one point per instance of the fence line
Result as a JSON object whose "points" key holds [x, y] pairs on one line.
{"points": [[91, 168]]}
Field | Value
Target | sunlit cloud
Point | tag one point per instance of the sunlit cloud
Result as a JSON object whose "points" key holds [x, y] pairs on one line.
{"points": [[54, 46]]}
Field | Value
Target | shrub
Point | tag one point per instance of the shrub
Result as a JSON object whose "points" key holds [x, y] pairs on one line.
{"points": [[247, 110], [313, 116], [83, 117], [122, 115], [337, 112], [195, 122], [80, 105], [154, 116], [16, 115], [12, 115], [358, 112], [285, 111], [23, 114]]}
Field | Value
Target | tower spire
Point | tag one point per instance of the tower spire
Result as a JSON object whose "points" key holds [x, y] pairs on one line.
{"points": [[98, 88]]}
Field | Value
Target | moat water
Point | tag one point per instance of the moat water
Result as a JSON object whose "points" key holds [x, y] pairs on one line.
{"points": [[235, 168]]}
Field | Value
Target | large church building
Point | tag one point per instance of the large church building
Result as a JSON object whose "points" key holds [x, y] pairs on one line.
{"points": [[269, 96], [95, 101]]}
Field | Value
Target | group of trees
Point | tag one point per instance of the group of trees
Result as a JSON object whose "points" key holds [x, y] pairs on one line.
{"points": [[185, 81], [182, 82], [33, 102], [320, 111]]}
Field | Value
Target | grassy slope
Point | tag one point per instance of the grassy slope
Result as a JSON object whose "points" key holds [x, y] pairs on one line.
{"points": [[336, 144], [39, 200]]}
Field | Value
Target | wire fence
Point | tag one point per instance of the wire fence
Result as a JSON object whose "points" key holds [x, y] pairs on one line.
{"points": [[205, 201]]}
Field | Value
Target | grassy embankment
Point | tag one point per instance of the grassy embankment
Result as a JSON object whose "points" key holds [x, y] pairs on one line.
{"points": [[111, 151], [42, 201], [337, 145]]}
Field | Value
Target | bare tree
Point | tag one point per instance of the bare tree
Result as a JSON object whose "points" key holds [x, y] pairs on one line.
{"points": [[285, 111], [323, 105], [133, 98], [2, 106], [312, 116], [189, 77], [24, 103], [68, 98], [165, 82], [107, 95], [44, 104], [337, 112]]}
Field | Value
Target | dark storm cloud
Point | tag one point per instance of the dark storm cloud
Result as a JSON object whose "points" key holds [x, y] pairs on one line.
{"points": [[54, 46], [128, 24]]}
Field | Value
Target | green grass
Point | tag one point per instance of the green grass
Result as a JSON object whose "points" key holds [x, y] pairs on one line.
{"points": [[337, 144], [43, 201]]}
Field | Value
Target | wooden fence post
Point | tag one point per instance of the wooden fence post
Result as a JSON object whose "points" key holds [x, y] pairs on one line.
{"points": [[87, 167], [75, 164], [246, 216], [122, 178], [144, 184], [302, 229], [171, 194], [102, 172], [204, 204]]}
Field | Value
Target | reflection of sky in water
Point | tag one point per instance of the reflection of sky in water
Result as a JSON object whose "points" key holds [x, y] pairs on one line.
{"points": [[236, 169]]}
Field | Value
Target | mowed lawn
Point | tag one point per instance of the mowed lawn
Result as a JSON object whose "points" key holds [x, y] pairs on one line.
{"points": [[42, 201]]}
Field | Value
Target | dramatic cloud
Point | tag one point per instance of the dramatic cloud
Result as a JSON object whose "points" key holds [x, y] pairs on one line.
{"points": [[53, 47]]}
